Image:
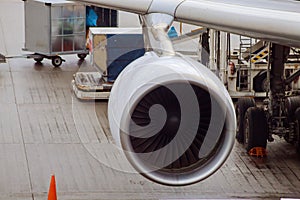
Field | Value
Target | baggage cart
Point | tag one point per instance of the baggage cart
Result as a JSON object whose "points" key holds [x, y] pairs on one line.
{"points": [[54, 28]]}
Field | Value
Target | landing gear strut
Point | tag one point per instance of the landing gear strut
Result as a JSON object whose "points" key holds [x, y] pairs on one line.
{"points": [[276, 107]]}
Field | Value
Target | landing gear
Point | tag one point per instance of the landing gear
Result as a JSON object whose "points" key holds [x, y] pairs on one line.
{"points": [[280, 114], [241, 107], [255, 128]]}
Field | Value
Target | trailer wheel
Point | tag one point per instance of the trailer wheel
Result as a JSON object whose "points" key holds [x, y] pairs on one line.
{"points": [[255, 128], [56, 61], [241, 107], [38, 59], [82, 56]]}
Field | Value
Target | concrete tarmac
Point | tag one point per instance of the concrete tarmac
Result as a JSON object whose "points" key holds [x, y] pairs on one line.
{"points": [[45, 130]]}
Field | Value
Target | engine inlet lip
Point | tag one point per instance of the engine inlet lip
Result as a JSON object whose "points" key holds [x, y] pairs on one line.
{"points": [[201, 172]]}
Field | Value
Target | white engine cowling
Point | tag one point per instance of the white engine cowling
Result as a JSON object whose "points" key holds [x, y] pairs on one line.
{"points": [[173, 118]]}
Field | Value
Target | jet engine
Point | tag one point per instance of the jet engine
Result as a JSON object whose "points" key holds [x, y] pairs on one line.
{"points": [[173, 118]]}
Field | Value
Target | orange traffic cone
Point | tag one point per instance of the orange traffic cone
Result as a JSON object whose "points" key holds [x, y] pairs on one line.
{"points": [[52, 189]]}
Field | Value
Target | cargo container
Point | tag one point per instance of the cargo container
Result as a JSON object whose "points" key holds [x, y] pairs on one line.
{"points": [[112, 49]]}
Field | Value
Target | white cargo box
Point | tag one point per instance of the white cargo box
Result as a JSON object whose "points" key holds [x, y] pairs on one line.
{"points": [[55, 27]]}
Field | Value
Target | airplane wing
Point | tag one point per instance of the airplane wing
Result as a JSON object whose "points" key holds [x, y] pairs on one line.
{"points": [[271, 20]]}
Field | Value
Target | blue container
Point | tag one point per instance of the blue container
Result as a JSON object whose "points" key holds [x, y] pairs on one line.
{"points": [[122, 49]]}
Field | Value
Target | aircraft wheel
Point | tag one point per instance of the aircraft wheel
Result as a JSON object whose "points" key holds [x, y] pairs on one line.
{"points": [[291, 105], [241, 107], [56, 61], [260, 83], [297, 128], [255, 128]]}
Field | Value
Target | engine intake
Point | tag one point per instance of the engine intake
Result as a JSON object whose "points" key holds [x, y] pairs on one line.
{"points": [[173, 118]]}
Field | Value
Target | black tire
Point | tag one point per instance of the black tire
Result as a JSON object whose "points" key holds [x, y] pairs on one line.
{"points": [[255, 128], [241, 107], [81, 56], [38, 59], [56, 61], [297, 129], [260, 82], [291, 104]]}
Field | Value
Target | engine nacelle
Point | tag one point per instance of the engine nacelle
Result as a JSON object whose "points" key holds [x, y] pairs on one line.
{"points": [[173, 118]]}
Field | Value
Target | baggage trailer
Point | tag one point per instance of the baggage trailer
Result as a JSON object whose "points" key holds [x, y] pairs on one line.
{"points": [[111, 50], [54, 28]]}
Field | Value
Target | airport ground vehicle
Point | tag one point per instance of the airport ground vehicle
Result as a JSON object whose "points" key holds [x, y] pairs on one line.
{"points": [[54, 28], [247, 71]]}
